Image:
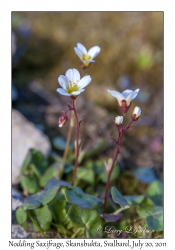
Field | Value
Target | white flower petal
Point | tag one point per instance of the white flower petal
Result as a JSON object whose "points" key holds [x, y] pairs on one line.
{"points": [[94, 51], [73, 75], [63, 92], [78, 52], [117, 95], [84, 81], [131, 96], [68, 74], [76, 76], [63, 81], [77, 92], [82, 48], [126, 92]]}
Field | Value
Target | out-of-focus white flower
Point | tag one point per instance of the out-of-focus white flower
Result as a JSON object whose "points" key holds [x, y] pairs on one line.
{"points": [[136, 113], [62, 120], [71, 83], [108, 165], [119, 120], [125, 98], [86, 56]]}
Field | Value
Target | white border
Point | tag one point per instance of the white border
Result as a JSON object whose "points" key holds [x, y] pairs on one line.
{"points": [[5, 98]]}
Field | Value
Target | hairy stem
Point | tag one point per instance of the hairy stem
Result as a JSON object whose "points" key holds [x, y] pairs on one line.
{"points": [[76, 143]]}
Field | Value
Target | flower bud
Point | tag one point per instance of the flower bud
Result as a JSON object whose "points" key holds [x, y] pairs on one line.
{"points": [[108, 165], [136, 113], [119, 120], [62, 120]]}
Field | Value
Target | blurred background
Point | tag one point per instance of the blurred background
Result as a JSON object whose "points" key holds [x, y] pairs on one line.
{"points": [[131, 57]]}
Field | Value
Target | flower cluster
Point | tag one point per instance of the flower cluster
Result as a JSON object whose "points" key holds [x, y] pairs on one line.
{"points": [[124, 99], [73, 85]]}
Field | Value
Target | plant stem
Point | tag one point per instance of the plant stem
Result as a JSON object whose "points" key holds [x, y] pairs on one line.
{"points": [[83, 71], [120, 131], [71, 124], [76, 141], [78, 230], [36, 224]]}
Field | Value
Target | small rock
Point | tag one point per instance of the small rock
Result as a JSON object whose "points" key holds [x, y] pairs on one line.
{"points": [[25, 136], [19, 233]]}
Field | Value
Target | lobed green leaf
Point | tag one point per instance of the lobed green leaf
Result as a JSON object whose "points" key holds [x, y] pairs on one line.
{"points": [[88, 219]]}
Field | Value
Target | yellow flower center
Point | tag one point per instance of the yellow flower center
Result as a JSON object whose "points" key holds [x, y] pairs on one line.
{"points": [[86, 57], [72, 87]]}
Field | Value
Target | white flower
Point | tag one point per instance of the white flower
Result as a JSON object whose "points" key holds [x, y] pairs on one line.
{"points": [[119, 120], [125, 98], [136, 113], [71, 83], [86, 56]]}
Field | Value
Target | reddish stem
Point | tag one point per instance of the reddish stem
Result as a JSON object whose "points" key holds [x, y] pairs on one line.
{"points": [[77, 142], [113, 165], [118, 143]]}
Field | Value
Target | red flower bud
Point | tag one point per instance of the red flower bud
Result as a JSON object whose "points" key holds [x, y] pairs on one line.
{"points": [[62, 120]]}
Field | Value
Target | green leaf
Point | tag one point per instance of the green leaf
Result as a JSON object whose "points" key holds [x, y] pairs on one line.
{"points": [[134, 200], [85, 174], [155, 189], [153, 217], [35, 170], [73, 198], [59, 212], [32, 201], [30, 183], [81, 199], [44, 217], [21, 215], [48, 195], [155, 192], [26, 162], [114, 176], [57, 183], [68, 168], [155, 222], [118, 198], [45, 196], [49, 174], [38, 159], [88, 219], [41, 198], [144, 210]]}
